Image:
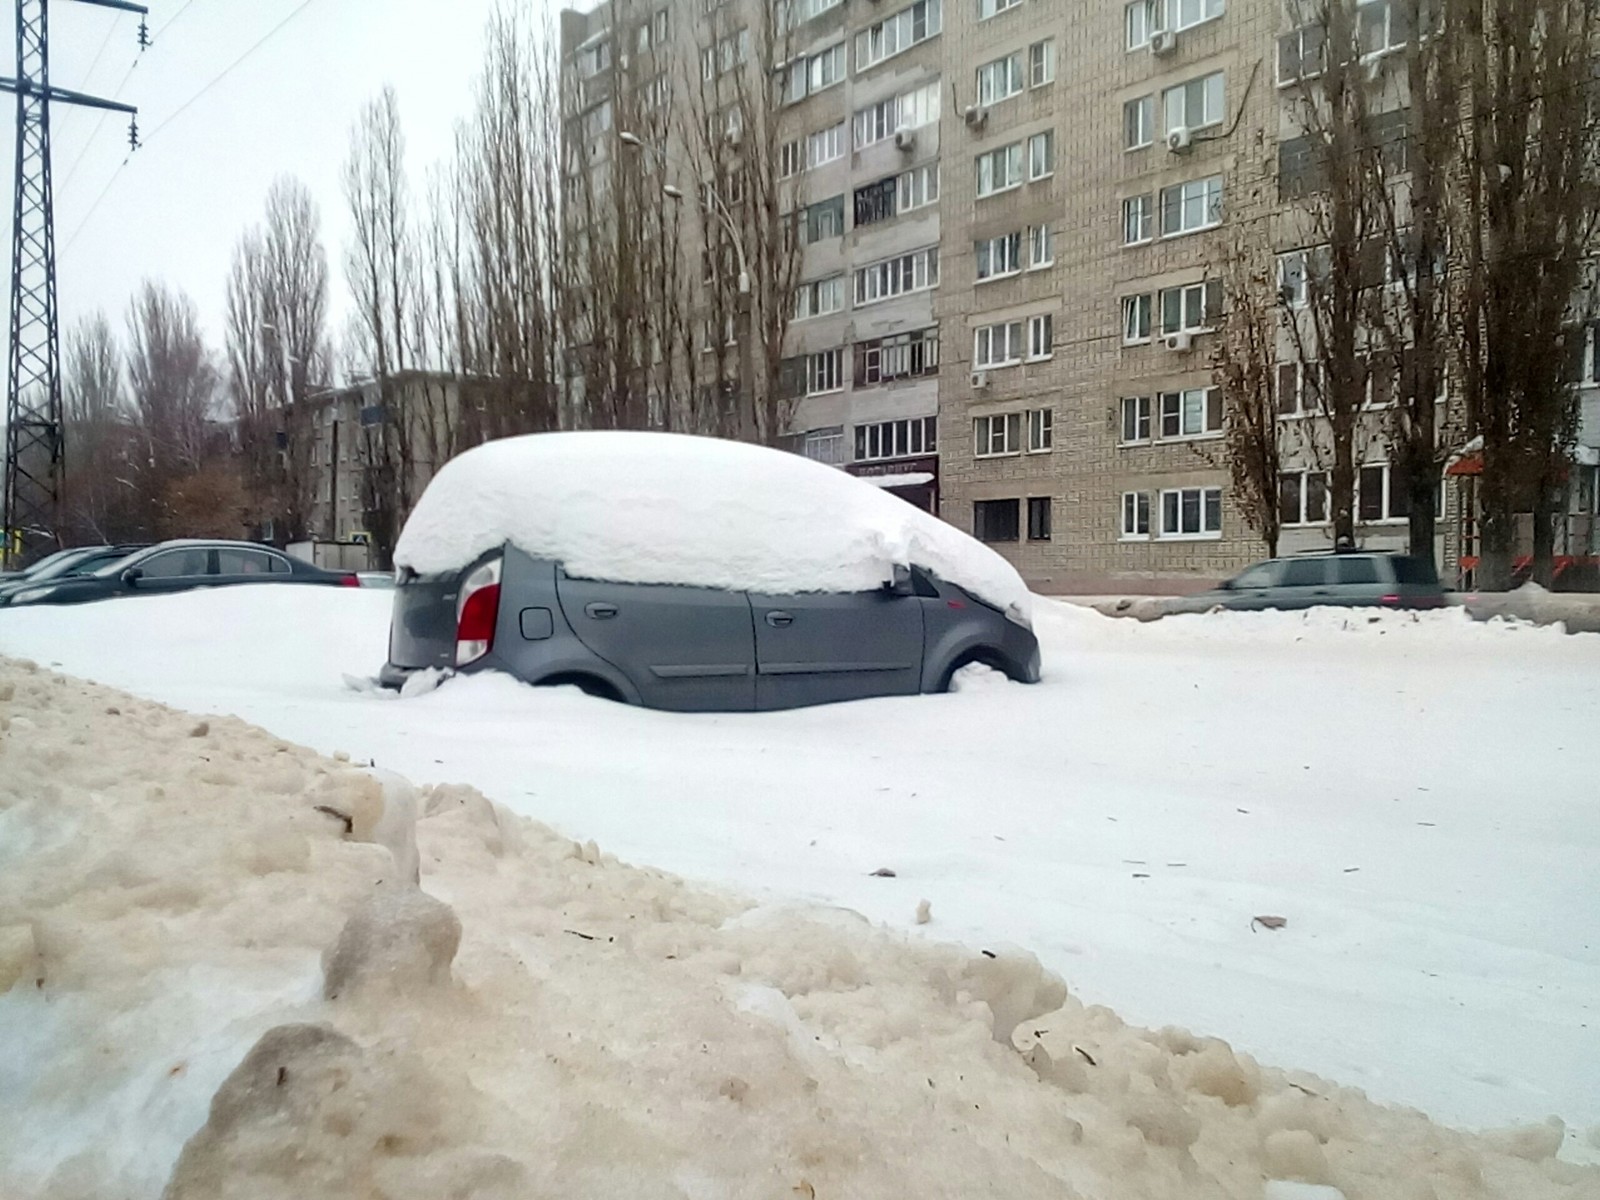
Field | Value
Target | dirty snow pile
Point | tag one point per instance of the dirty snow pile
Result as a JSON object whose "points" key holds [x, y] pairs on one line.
{"points": [[219, 977], [667, 508]]}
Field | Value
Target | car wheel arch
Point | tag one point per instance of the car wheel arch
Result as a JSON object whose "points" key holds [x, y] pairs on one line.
{"points": [[984, 653]]}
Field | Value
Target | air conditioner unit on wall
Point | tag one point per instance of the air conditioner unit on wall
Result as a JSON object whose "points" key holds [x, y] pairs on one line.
{"points": [[1163, 42], [980, 380], [1178, 141], [905, 139], [975, 115], [1181, 342]]}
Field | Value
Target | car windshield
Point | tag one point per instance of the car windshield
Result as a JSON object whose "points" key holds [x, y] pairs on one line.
{"points": [[49, 562], [117, 565], [79, 562]]}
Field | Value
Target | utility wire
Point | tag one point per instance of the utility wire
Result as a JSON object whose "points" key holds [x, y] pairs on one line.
{"points": [[181, 109]]}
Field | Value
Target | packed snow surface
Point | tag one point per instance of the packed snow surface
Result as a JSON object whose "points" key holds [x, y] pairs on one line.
{"points": [[1414, 795], [667, 508], [232, 968]]}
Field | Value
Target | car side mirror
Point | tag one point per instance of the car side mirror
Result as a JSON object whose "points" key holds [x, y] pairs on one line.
{"points": [[132, 575], [900, 583], [1225, 586]]}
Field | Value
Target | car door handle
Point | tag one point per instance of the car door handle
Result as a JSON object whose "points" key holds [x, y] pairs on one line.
{"points": [[779, 619], [599, 611]]}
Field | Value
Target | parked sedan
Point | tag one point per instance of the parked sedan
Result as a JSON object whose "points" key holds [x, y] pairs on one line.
{"points": [[71, 564], [179, 567], [1346, 578], [695, 648], [47, 562]]}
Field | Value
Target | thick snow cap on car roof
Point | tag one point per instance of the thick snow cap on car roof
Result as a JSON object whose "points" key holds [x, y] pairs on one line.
{"points": [[669, 508]]}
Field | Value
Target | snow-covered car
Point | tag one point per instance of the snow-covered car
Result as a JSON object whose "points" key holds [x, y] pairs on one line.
{"points": [[690, 573]]}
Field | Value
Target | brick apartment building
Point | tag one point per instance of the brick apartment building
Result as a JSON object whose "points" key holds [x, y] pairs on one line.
{"points": [[1016, 214]]}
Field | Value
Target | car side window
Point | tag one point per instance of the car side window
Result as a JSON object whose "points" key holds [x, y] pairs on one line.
{"points": [[1305, 572], [279, 565], [243, 562], [1262, 575], [176, 564], [1355, 570]]}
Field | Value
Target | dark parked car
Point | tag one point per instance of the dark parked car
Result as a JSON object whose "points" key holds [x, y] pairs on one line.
{"points": [[695, 648], [48, 561], [1356, 579], [179, 567], [85, 560]]}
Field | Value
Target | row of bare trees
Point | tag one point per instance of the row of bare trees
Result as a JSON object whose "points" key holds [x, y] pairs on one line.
{"points": [[1428, 282]]}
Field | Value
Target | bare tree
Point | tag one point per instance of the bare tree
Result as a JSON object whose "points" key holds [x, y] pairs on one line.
{"points": [[380, 269], [104, 502], [1245, 365], [278, 352], [172, 381], [1523, 231]]}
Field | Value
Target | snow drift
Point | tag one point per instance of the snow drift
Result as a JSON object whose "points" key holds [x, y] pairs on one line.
{"points": [[668, 508], [221, 980]]}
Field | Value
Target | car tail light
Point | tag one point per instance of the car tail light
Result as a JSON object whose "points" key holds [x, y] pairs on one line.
{"points": [[477, 610], [349, 581], [1391, 601]]}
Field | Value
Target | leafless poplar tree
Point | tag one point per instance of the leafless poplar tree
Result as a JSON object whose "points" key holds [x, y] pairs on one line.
{"points": [[172, 380], [104, 503]]}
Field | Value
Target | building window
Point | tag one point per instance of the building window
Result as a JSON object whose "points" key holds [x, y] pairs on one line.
{"points": [[990, 8], [1381, 495], [1135, 419], [1302, 167], [897, 439], [875, 202], [1193, 308], [918, 188], [1041, 337], [1297, 389], [999, 256], [1138, 123], [810, 74], [1041, 247], [1194, 412], [661, 27], [995, 520], [1195, 104], [901, 356], [1303, 497], [890, 36], [791, 159], [1300, 54], [1136, 319], [1041, 430], [825, 145], [824, 219], [1038, 518], [1191, 513], [825, 445], [909, 110], [996, 436], [1139, 21], [1042, 155], [791, 14], [1138, 220], [824, 372], [1381, 27], [724, 55], [1191, 206], [1135, 514], [1000, 80], [914, 272], [1042, 63], [997, 345], [594, 60], [1186, 14], [1000, 169], [819, 298], [1298, 270]]}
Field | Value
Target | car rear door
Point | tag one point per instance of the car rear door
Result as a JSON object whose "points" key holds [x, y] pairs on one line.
{"points": [[684, 648], [238, 564], [1305, 582], [1357, 581], [821, 647]]}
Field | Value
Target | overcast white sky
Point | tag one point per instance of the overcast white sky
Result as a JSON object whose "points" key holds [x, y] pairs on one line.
{"points": [[177, 206]]}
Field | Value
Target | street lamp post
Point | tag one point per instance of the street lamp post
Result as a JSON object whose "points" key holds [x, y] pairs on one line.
{"points": [[745, 318]]}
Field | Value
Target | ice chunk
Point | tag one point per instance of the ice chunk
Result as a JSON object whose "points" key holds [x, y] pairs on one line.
{"points": [[400, 939]]}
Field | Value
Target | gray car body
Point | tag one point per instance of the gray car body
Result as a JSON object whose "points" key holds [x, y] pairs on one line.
{"points": [[1348, 579], [693, 649]]}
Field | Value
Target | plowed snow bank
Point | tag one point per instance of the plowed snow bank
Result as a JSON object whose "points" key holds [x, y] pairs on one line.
{"points": [[220, 981]]}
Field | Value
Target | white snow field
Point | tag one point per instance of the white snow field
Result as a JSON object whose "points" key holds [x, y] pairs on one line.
{"points": [[220, 979], [1414, 796]]}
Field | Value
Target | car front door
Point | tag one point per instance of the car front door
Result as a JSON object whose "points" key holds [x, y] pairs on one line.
{"points": [[684, 648], [175, 570], [1305, 583], [1251, 591], [817, 648]]}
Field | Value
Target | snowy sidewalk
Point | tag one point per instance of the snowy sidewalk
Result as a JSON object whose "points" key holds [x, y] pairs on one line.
{"points": [[210, 936]]}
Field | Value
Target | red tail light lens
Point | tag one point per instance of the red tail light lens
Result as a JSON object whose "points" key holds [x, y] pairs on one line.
{"points": [[350, 581], [477, 611], [1391, 601]]}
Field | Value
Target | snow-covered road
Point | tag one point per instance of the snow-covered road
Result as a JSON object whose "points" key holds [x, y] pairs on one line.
{"points": [[1415, 797]]}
